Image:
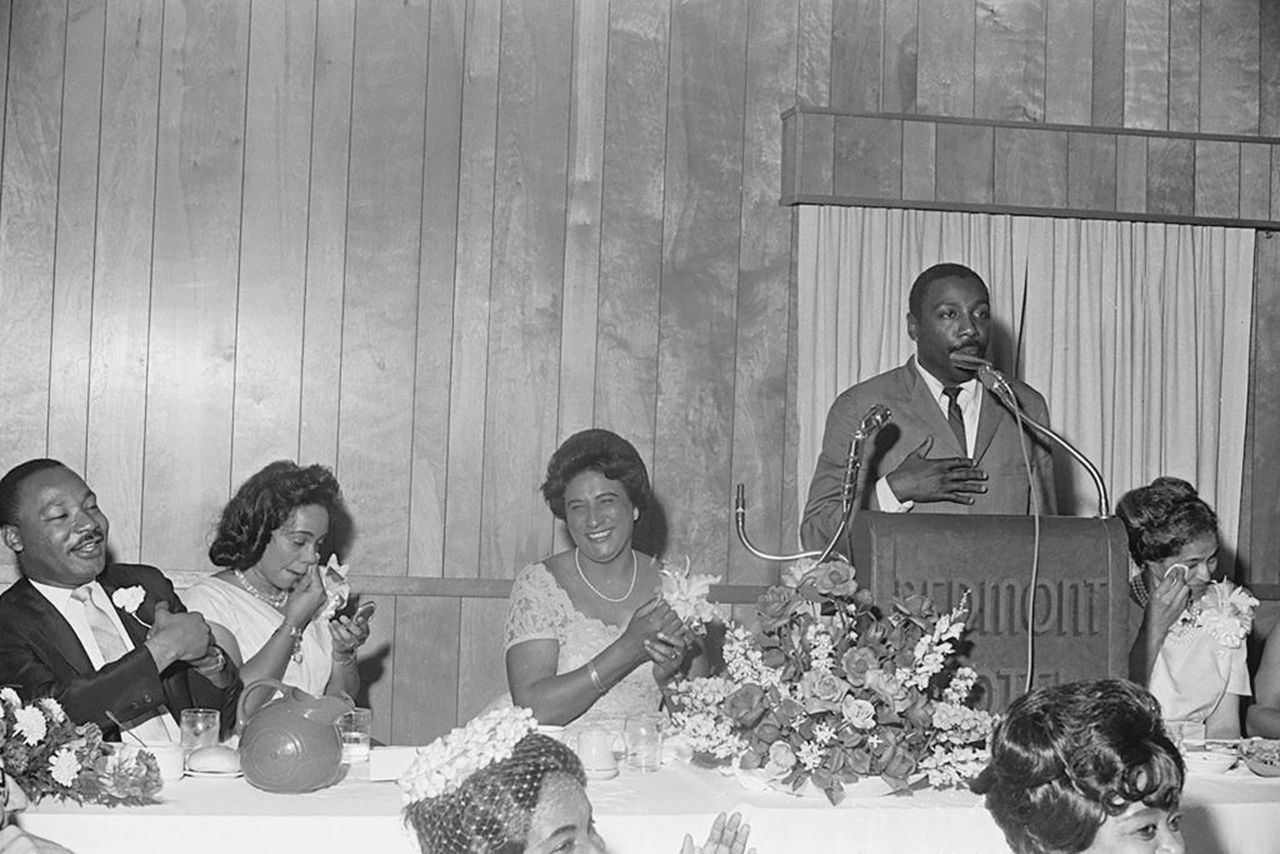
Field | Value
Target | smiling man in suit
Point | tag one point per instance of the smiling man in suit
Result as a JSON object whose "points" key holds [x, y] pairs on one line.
{"points": [[951, 447], [111, 642]]}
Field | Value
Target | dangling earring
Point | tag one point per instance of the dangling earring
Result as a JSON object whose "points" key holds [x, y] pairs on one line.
{"points": [[635, 514]]}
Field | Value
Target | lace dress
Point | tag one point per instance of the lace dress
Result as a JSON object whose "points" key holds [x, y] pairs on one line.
{"points": [[539, 609]]}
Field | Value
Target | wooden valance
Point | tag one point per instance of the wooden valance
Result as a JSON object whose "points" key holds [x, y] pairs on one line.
{"points": [[897, 160]]}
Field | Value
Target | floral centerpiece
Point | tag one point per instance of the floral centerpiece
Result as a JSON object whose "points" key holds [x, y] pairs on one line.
{"points": [[48, 755], [828, 688]]}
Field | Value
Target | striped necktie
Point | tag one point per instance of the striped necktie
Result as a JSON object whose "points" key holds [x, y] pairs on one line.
{"points": [[955, 417]]}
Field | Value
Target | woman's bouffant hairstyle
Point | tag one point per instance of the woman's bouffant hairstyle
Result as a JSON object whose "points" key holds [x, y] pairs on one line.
{"points": [[1162, 518], [1067, 757], [263, 503], [596, 450], [492, 811]]}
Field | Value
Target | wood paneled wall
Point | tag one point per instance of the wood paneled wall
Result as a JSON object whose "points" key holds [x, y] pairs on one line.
{"points": [[424, 241]]}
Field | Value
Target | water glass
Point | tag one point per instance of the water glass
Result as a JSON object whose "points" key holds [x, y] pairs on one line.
{"points": [[354, 729], [642, 734], [199, 728]]}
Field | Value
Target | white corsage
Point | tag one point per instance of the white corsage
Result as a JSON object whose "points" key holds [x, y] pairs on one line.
{"points": [[334, 576], [687, 592], [129, 599], [1225, 611], [443, 765]]}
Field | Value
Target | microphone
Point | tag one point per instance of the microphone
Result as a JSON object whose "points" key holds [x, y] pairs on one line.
{"points": [[998, 384], [877, 416]]}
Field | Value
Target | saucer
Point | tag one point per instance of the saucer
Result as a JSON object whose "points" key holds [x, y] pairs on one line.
{"points": [[191, 773], [600, 773]]}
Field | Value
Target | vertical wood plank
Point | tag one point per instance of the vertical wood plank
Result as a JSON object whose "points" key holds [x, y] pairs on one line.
{"points": [[813, 52], [1230, 66], [1260, 506], [1269, 69], [966, 164], [1068, 93], [123, 268], [631, 223], [857, 36], [28, 224], [700, 271], [1030, 167], [760, 362], [1010, 57], [377, 665], [1184, 65], [868, 157], [73, 262], [424, 683], [1170, 176], [1091, 171], [482, 673], [581, 301], [817, 166], [1108, 62], [437, 280], [945, 77], [328, 160], [1146, 64], [901, 58], [190, 360], [469, 363], [1275, 182], [380, 301], [1131, 173], [1217, 178], [528, 271], [919, 160], [6, 11], [1255, 181], [270, 315]]}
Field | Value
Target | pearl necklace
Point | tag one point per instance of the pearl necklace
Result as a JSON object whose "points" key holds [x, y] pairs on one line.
{"points": [[630, 588], [276, 600]]}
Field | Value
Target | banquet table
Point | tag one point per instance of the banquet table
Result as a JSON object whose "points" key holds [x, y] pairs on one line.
{"points": [[1230, 813]]}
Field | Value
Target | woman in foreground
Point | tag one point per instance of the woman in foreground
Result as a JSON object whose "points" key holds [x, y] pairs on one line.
{"points": [[1085, 767]]}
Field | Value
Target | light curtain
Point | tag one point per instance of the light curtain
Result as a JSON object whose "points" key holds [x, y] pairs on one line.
{"points": [[1137, 334]]}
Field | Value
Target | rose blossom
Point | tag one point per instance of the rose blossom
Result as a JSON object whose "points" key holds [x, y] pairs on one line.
{"points": [[856, 663], [823, 685], [858, 712], [781, 758]]}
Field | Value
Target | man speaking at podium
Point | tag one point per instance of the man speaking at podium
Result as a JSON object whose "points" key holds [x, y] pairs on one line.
{"points": [[951, 446]]}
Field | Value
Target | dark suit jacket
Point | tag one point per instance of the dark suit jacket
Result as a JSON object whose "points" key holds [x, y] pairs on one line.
{"points": [[41, 656], [917, 415]]}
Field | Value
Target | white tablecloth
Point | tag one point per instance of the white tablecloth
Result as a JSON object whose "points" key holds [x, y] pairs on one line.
{"points": [[1232, 813]]}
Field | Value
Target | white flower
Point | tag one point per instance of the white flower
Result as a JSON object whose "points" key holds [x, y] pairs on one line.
{"points": [[445, 763], [10, 698], [860, 713], [1226, 613], [810, 755], [687, 595], [823, 733], [53, 709], [334, 577], [29, 723], [64, 766], [128, 599]]}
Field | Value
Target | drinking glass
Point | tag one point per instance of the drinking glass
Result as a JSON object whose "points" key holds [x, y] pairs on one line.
{"points": [[642, 734], [354, 729], [199, 728]]}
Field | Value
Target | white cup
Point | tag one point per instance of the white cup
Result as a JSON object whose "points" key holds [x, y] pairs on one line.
{"points": [[169, 757], [595, 749]]}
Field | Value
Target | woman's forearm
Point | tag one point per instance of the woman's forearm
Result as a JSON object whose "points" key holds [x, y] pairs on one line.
{"points": [[345, 676], [1143, 653], [562, 698], [270, 662], [1263, 722]]}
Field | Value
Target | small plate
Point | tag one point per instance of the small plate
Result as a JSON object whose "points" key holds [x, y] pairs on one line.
{"points": [[1208, 761], [600, 773], [191, 773]]}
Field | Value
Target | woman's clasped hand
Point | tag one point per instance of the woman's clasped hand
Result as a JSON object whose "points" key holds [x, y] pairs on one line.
{"points": [[661, 636]]}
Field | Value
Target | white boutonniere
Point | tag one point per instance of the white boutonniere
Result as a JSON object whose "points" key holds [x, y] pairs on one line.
{"points": [[1226, 612], [129, 599], [338, 591]]}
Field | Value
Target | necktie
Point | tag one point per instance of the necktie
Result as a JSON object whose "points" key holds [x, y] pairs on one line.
{"points": [[104, 631], [954, 416]]}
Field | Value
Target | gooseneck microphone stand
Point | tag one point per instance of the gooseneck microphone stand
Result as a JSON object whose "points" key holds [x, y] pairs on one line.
{"points": [[877, 416]]}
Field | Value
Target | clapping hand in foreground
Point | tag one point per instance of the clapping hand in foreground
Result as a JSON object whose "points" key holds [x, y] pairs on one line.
{"points": [[728, 836]]}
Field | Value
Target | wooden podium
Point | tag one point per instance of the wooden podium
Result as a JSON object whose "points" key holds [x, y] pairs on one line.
{"points": [[1081, 612]]}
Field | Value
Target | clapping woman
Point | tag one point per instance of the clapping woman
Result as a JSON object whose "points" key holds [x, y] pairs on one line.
{"points": [[581, 623], [265, 608]]}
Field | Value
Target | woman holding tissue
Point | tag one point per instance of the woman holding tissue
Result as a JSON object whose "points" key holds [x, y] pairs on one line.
{"points": [[1190, 649], [269, 608], [581, 623]]}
